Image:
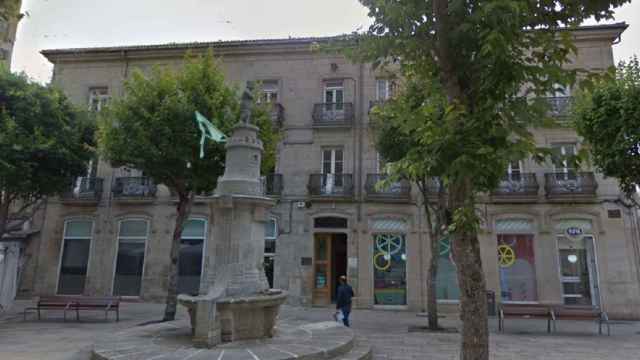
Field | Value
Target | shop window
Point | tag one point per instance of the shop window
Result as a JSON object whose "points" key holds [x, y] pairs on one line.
{"points": [[390, 269], [516, 264], [190, 263], [132, 238], [75, 256], [447, 278]]}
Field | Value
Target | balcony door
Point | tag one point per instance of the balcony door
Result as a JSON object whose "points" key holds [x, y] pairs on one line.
{"points": [[334, 96], [332, 168], [563, 167]]}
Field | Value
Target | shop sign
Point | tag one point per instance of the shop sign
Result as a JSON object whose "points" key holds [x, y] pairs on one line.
{"points": [[574, 231]]}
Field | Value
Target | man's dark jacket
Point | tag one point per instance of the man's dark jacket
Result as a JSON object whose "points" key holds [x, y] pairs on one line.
{"points": [[343, 298]]}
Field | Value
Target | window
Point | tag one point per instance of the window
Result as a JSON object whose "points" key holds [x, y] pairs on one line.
{"points": [[269, 91], [330, 222], [563, 157], [75, 256], [191, 250], [384, 89], [334, 95], [514, 171], [447, 278], [516, 265], [98, 98], [332, 167], [132, 238], [270, 236], [389, 269]]}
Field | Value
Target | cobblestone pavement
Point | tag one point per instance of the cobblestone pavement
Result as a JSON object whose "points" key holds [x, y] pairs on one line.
{"points": [[53, 339]]}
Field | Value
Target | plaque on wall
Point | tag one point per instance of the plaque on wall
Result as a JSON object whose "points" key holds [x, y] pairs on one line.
{"points": [[305, 261]]}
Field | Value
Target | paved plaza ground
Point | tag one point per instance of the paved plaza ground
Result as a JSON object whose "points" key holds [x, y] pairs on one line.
{"points": [[53, 339]]}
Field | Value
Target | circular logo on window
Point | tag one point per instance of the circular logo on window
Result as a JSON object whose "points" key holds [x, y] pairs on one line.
{"points": [[506, 256]]}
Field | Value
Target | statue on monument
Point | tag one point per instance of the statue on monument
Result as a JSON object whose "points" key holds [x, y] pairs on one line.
{"points": [[246, 103]]}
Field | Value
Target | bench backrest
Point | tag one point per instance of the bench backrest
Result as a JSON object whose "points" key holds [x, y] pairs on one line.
{"points": [[81, 301], [525, 309], [577, 312]]}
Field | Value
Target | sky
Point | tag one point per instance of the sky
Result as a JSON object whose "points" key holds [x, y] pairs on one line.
{"points": [[53, 24]]}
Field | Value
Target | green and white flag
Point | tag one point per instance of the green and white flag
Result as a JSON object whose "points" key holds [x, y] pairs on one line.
{"points": [[208, 130]]}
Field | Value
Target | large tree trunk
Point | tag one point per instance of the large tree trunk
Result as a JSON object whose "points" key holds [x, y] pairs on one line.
{"points": [[473, 300], [185, 200], [432, 275]]}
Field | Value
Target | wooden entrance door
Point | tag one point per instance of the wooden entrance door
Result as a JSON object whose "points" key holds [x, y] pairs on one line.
{"points": [[322, 266]]}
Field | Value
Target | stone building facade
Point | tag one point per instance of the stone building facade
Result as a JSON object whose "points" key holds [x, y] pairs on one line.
{"points": [[550, 234], [8, 28]]}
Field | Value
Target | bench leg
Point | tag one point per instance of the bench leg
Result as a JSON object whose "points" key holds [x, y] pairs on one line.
{"points": [[549, 325], [118, 315], [38, 313], [64, 315], [77, 314]]}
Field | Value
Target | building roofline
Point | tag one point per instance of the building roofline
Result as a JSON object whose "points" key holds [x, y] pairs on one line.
{"points": [[231, 44]]}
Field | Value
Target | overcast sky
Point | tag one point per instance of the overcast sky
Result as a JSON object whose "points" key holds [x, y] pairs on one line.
{"points": [[82, 23]]}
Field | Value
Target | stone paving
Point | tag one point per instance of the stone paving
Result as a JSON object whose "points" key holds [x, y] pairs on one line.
{"points": [[387, 331]]}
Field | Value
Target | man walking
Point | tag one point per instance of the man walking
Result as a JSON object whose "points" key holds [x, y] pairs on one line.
{"points": [[343, 299]]}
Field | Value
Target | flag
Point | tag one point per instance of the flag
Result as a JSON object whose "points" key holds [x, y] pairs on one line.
{"points": [[208, 131]]}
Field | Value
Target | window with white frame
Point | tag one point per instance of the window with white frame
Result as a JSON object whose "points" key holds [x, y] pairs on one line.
{"points": [[191, 251], [76, 245], [98, 98], [332, 168], [514, 171], [269, 91], [132, 239], [270, 236], [334, 95], [384, 89], [562, 159]]}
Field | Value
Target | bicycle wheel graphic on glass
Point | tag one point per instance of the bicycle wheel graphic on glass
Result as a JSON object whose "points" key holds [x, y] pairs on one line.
{"points": [[506, 256]]}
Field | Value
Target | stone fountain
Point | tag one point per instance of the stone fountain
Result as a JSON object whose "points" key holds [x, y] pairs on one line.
{"points": [[234, 301]]}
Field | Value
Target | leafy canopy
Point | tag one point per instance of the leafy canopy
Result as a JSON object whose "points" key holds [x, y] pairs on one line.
{"points": [[608, 117], [44, 141], [152, 127]]}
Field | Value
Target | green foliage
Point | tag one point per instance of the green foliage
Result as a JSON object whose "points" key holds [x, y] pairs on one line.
{"points": [[44, 142], [152, 127], [10, 9], [608, 117]]}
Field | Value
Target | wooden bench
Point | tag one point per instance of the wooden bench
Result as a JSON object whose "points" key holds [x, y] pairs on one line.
{"points": [[76, 303], [525, 311], [581, 313]]}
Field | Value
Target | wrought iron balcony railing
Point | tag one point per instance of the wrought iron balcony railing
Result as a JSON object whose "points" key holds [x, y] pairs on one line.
{"points": [[333, 114], [272, 184], [84, 189], [134, 187], [332, 185], [513, 185], [277, 114], [570, 183], [400, 190], [559, 106]]}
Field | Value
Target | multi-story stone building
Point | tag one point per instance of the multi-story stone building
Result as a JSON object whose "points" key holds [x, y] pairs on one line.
{"points": [[8, 27], [550, 233]]}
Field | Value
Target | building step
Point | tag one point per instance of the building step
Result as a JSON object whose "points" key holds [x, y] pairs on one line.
{"points": [[361, 350]]}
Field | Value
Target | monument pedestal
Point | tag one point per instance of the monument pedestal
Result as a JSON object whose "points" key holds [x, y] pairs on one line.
{"points": [[235, 302]]}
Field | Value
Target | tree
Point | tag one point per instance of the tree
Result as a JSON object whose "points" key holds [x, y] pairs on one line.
{"points": [[399, 130], [152, 129], [482, 57], [608, 117], [45, 143]]}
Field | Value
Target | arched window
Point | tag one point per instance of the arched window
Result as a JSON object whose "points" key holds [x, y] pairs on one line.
{"points": [[74, 262], [132, 238]]}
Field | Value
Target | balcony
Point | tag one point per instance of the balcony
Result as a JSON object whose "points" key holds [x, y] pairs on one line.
{"points": [[559, 106], [333, 115], [517, 187], [570, 185], [277, 114], [398, 191], [272, 184], [134, 189], [331, 186], [85, 190]]}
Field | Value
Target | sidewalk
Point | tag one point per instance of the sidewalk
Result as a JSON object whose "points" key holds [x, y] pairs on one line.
{"points": [[53, 339]]}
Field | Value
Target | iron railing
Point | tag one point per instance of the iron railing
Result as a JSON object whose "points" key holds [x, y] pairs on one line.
{"points": [[84, 188], [559, 106], [333, 114], [522, 184], [559, 184], [272, 184], [277, 114], [338, 185], [397, 190], [134, 187]]}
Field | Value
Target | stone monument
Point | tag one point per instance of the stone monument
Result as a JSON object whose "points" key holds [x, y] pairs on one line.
{"points": [[234, 301]]}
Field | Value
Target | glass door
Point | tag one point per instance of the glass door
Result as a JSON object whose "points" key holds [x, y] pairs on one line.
{"points": [[322, 274], [578, 271]]}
